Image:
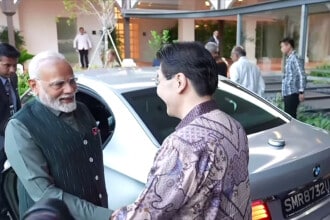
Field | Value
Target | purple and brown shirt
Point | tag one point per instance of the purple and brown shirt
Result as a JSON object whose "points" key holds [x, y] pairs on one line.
{"points": [[200, 172]]}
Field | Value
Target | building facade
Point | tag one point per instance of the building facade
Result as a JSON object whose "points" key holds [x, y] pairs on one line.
{"points": [[259, 25]]}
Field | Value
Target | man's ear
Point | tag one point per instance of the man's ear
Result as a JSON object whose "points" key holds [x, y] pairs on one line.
{"points": [[34, 86], [182, 82]]}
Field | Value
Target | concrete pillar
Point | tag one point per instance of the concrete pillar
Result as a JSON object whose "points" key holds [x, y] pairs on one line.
{"points": [[250, 38], [186, 30], [303, 32], [239, 30], [186, 27]]}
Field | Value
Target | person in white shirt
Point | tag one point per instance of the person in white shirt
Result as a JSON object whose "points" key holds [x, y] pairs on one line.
{"points": [[244, 72], [82, 43]]}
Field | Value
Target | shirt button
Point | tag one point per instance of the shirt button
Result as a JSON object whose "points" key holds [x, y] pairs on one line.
{"points": [[96, 177], [100, 196], [85, 142], [91, 159]]}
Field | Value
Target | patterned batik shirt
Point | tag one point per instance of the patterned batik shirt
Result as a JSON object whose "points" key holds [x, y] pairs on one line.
{"points": [[200, 172], [294, 77]]}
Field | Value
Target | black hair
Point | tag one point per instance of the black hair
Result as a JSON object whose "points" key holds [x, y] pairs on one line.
{"points": [[7, 50], [288, 40], [194, 61]]}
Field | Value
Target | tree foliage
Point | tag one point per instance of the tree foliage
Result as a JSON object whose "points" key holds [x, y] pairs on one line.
{"points": [[158, 40], [103, 9], [19, 40]]}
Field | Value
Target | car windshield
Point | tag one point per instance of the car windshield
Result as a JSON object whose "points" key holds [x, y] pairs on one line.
{"points": [[152, 111]]}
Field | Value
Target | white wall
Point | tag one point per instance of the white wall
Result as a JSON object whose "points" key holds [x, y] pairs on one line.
{"points": [[38, 24]]}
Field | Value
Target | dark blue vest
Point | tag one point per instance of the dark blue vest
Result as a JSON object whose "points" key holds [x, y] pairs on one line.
{"points": [[74, 158]]}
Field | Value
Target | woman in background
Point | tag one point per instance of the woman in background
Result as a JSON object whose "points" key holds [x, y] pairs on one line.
{"points": [[111, 60]]}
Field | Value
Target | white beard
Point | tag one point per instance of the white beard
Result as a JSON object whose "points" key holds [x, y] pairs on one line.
{"points": [[56, 103]]}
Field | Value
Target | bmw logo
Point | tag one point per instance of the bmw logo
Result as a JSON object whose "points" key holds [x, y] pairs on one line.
{"points": [[316, 170]]}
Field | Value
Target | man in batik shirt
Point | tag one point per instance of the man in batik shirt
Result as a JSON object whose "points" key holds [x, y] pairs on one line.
{"points": [[201, 169]]}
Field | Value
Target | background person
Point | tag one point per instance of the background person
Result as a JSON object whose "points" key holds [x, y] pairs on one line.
{"points": [[222, 65], [244, 72], [9, 101], [294, 78], [83, 44], [201, 169], [111, 61], [68, 164], [215, 38]]}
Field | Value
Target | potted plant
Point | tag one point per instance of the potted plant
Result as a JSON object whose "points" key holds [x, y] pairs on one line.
{"points": [[157, 41]]}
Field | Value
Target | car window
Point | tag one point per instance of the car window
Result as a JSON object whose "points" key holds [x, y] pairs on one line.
{"points": [[152, 110], [251, 116], [101, 113]]}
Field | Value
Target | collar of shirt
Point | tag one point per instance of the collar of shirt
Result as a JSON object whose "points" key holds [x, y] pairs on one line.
{"points": [[3, 79], [242, 58], [198, 110], [291, 54]]}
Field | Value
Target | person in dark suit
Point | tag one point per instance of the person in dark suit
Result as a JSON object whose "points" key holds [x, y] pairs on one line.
{"points": [[215, 38], [9, 98]]}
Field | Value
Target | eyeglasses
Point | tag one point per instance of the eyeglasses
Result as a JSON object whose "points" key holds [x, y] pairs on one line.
{"points": [[59, 84], [157, 78]]}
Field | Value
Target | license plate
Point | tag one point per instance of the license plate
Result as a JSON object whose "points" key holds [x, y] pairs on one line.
{"points": [[300, 199]]}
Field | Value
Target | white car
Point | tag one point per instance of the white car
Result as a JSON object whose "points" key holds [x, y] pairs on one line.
{"points": [[289, 160]]}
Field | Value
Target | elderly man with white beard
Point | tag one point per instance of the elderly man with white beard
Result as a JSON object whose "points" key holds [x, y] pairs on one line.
{"points": [[54, 145]]}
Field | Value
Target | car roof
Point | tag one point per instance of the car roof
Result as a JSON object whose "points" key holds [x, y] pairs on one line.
{"points": [[115, 76], [123, 79]]}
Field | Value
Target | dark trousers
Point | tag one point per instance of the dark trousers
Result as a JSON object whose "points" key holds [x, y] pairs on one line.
{"points": [[83, 58], [3, 205], [291, 103]]}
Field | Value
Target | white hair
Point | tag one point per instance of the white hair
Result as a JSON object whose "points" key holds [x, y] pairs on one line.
{"points": [[211, 47], [34, 64]]}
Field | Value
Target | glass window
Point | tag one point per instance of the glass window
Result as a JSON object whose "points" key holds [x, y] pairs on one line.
{"points": [[318, 38], [152, 110], [262, 33], [66, 32]]}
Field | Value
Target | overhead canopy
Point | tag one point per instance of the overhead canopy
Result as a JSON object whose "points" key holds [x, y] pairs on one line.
{"points": [[234, 8]]}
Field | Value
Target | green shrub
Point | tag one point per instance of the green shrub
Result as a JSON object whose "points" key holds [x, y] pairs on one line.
{"points": [[319, 119], [23, 84], [158, 40], [19, 40], [321, 71], [24, 56]]}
